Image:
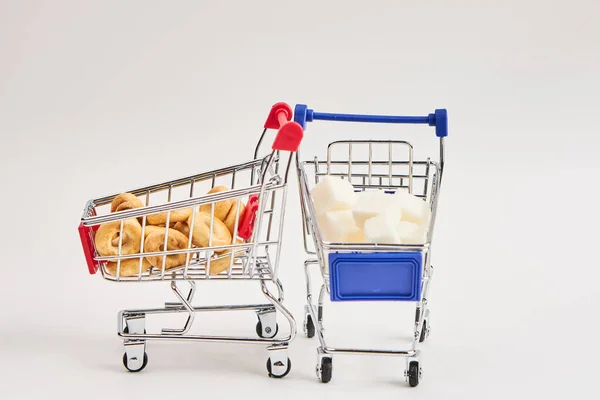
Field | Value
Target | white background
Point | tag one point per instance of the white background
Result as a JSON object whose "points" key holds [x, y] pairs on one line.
{"points": [[100, 97]]}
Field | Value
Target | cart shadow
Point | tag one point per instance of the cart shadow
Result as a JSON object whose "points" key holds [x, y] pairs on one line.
{"points": [[216, 357], [105, 354]]}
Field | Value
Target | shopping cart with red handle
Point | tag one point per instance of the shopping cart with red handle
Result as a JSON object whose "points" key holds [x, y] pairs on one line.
{"points": [[150, 241]]}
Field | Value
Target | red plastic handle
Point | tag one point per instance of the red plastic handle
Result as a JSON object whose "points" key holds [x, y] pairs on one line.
{"points": [[249, 219], [289, 137], [87, 243]]}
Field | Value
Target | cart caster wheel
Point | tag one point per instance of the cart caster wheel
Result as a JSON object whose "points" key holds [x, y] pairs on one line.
{"points": [[271, 333], [273, 375], [413, 374], [309, 327], [424, 332], [325, 370], [133, 369]]}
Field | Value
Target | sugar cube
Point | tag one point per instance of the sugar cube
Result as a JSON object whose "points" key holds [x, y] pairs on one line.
{"points": [[372, 203], [414, 209], [331, 194], [339, 226], [411, 233], [382, 229]]}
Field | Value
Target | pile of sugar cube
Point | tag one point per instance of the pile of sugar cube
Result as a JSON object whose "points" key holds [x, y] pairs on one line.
{"points": [[346, 215]]}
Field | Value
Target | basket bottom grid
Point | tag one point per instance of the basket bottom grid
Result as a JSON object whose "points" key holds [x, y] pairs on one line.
{"points": [[197, 271]]}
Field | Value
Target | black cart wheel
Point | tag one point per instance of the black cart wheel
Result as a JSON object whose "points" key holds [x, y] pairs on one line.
{"points": [[287, 371], [310, 327], [423, 332], [413, 373], [259, 331], [135, 370], [326, 369]]}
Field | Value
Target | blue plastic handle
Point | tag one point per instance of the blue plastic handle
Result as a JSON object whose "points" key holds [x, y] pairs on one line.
{"points": [[439, 118]]}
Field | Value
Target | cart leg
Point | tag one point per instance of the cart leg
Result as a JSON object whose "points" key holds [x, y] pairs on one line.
{"points": [[314, 322], [270, 314], [278, 364], [417, 317], [320, 309], [279, 287], [427, 321], [315, 314], [418, 313], [310, 322], [183, 302], [309, 325], [307, 263], [426, 327], [421, 331], [189, 298], [135, 357], [422, 323], [267, 326]]}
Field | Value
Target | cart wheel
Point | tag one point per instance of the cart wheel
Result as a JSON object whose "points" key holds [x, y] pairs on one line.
{"points": [[135, 370], [423, 332], [259, 331], [309, 328], [287, 371], [413, 373], [326, 369]]}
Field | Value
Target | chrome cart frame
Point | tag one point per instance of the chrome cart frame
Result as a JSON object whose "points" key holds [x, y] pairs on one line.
{"points": [[389, 173], [255, 259]]}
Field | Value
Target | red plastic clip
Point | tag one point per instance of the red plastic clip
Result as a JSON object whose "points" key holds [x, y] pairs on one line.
{"points": [[88, 246], [249, 219]]}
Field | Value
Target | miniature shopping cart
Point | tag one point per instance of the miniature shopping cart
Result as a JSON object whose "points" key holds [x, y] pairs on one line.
{"points": [[363, 271], [261, 185]]}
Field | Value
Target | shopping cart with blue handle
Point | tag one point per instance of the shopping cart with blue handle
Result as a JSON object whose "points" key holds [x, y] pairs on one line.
{"points": [[370, 271]]}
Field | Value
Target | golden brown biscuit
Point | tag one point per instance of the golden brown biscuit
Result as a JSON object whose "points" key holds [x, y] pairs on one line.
{"points": [[152, 228], [107, 233], [231, 216], [222, 208], [156, 241], [220, 261], [129, 267], [125, 201], [201, 231], [182, 227], [176, 216]]}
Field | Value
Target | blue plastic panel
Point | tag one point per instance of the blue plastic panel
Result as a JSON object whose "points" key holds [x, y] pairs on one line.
{"points": [[392, 276]]}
